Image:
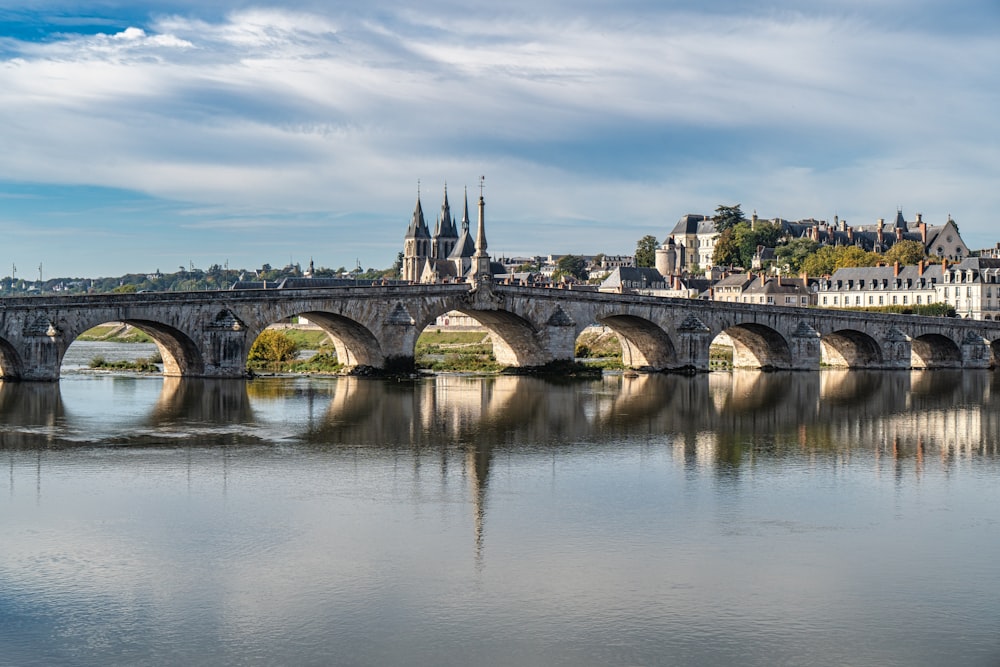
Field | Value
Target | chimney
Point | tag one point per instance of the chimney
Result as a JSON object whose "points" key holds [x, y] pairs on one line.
{"points": [[895, 269], [920, 267], [923, 230], [899, 233], [944, 266], [850, 234]]}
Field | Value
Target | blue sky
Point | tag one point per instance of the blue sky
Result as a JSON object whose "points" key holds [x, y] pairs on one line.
{"points": [[142, 136]]}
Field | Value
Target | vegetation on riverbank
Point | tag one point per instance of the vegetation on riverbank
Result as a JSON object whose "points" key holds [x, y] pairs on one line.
{"points": [[279, 350], [140, 365]]}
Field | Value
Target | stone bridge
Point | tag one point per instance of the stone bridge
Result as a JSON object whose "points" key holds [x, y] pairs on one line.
{"points": [[209, 334]]}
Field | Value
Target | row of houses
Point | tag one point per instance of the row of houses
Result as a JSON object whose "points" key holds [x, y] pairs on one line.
{"points": [[971, 287]]}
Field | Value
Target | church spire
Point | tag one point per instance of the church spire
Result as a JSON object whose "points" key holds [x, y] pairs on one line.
{"points": [[482, 260]]}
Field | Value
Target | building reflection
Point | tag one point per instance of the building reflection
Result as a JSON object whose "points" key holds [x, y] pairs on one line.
{"points": [[725, 424]]}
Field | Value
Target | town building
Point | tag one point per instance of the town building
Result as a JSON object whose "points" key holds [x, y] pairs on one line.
{"points": [[449, 255], [650, 282], [971, 287], [761, 288], [695, 237]]}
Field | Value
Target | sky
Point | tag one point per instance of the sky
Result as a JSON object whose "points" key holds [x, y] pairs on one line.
{"points": [[155, 135]]}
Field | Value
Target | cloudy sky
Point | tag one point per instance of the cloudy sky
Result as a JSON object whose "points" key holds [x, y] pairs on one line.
{"points": [[137, 136]]}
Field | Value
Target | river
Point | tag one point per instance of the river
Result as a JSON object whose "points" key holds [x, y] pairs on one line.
{"points": [[832, 518]]}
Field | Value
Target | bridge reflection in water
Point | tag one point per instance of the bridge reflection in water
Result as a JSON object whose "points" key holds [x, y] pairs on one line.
{"points": [[708, 419], [248, 510]]}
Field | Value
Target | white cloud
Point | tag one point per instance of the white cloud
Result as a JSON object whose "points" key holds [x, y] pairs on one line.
{"points": [[286, 110]]}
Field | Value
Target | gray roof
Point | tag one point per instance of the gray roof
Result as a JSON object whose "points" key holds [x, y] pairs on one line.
{"points": [[693, 223]]}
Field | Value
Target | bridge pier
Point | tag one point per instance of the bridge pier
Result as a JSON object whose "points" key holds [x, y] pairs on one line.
{"points": [[975, 352], [805, 348], [897, 350], [694, 338]]}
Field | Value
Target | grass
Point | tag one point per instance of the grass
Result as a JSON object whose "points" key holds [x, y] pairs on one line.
{"points": [[115, 333], [140, 365]]}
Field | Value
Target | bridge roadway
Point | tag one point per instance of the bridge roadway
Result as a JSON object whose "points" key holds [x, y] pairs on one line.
{"points": [[209, 334]]}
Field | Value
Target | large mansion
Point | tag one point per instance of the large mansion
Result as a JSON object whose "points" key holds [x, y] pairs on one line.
{"points": [[695, 236]]}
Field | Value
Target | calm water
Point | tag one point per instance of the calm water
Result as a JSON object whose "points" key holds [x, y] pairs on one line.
{"points": [[756, 519]]}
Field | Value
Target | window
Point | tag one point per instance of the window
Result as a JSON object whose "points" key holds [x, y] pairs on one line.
{"points": [[835, 301], [968, 291], [894, 299], [824, 299], [906, 299], [919, 299], [857, 300], [946, 292], [881, 300], [871, 299]]}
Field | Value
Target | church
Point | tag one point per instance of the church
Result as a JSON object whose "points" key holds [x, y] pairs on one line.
{"points": [[450, 254]]}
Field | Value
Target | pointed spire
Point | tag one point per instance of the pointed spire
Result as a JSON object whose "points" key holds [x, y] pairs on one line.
{"points": [[482, 259], [465, 215], [417, 228]]}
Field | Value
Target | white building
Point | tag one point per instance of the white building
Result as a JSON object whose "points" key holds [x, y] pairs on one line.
{"points": [[972, 287]]}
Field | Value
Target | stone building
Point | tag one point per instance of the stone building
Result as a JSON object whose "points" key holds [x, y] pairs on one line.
{"points": [[449, 255], [761, 288], [695, 237], [971, 286]]}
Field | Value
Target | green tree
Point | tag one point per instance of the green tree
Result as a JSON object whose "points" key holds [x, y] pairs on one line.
{"points": [[792, 254], [571, 266], [727, 249], [853, 256], [766, 234], [823, 262], [905, 252], [727, 216], [272, 347], [397, 266], [645, 251]]}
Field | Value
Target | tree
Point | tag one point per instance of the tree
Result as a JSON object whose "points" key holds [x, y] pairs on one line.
{"points": [[272, 347], [571, 265], [727, 216], [766, 234], [852, 256], [727, 250], [397, 266], [823, 262], [905, 252], [792, 254], [645, 251]]}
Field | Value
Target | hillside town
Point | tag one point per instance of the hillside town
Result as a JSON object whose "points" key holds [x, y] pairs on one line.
{"points": [[909, 266], [903, 266]]}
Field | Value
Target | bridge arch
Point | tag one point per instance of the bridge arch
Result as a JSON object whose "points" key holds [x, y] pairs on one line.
{"points": [[180, 354], [515, 339], [995, 353], [644, 344], [355, 344], [759, 346], [934, 351], [850, 348], [11, 366]]}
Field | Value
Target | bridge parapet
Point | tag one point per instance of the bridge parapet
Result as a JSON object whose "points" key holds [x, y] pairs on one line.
{"points": [[208, 334]]}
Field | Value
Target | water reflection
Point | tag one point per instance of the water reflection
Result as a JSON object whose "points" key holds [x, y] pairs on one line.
{"points": [[954, 410], [713, 519]]}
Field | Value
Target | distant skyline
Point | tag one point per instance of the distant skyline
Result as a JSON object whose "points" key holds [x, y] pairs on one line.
{"points": [[136, 137]]}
